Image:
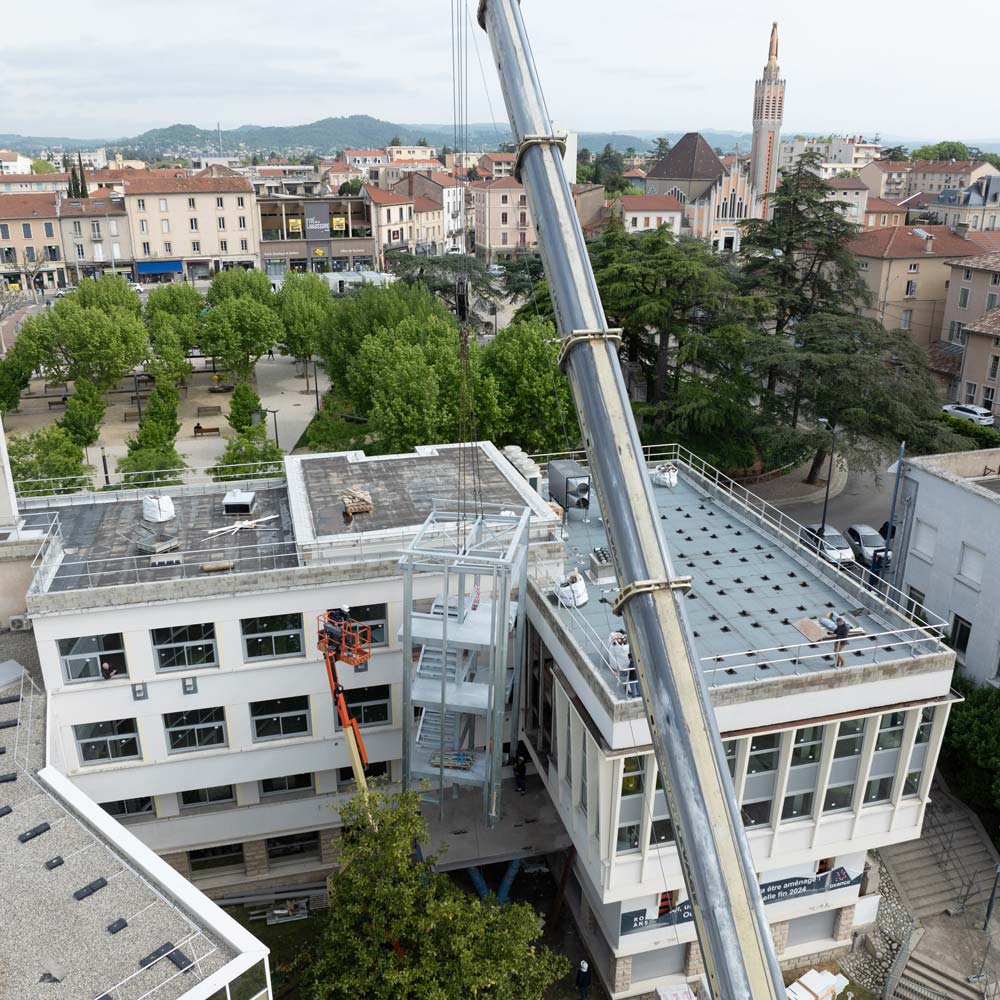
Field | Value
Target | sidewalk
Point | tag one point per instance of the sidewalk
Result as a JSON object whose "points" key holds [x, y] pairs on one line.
{"points": [[792, 487]]}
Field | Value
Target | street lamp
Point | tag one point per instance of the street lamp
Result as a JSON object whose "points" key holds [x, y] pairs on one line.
{"points": [[823, 422], [259, 416]]}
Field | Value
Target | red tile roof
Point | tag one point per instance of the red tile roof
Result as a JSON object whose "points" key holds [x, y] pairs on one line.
{"points": [[28, 206], [846, 184], [883, 205], [635, 172], [894, 242], [30, 178], [929, 166], [173, 183], [101, 202], [983, 262], [422, 204], [499, 157], [379, 197], [987, 241], [650, 203], [988, 324]]}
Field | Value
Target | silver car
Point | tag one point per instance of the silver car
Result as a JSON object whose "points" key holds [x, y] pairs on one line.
{"points": [[966, 411], [865, 541], [833, 547]]}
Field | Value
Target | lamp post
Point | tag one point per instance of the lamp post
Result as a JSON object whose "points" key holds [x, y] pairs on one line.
{"points": [[829, 475], [316, 384], [259, 416]]}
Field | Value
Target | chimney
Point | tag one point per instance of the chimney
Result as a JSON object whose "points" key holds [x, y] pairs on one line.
{"points": [[929, 243], [962, 230]]}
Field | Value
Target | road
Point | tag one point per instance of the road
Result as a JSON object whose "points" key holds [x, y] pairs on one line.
{"points": [[862, 502]]}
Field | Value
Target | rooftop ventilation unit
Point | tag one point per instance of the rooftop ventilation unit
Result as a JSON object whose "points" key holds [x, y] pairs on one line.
{"points": [[157, 509], [569, 484], [238, 503]]}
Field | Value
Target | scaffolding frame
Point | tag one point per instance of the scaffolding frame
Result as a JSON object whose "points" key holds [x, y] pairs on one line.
{"points": [[480, 555]]}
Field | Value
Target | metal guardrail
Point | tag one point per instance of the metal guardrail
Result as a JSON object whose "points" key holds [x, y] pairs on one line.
{"points": [[942, 844], [899, 962]]}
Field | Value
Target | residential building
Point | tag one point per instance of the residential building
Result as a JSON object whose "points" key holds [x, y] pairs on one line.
{"points": [[590, 204], [191, 227], [95, 236], [977, 206], [428, 232], [31, 250], [12, 162], [368, 161], [717, 197], [898, 179], [768, 111], [461, 163], [92, 159], [218, 719], [880, 212], [906, 269], [636, 177], [394, 171], [852, 196], [837, 153], [445, 189], [392, 222], [946, 542], [333, 173], [503, 223], [643, 212], [274, 181], [417, 152], [199, 161], [330, 233], [497, 164], [971, 323], [28, 183]]}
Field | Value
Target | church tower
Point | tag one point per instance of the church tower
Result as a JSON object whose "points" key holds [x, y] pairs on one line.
{"points": [[768, 107]]}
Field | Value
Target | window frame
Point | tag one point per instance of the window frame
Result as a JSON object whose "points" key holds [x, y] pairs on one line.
{"points": [[294, 857], [119, 736], [272, 634], [130, 813], [807, 801], [200, 870], [201, 724], [814, 741], [207, 801], [276, 793], [848, 807], [279, 710], [184, 645], [118, 657], [358, 708]]}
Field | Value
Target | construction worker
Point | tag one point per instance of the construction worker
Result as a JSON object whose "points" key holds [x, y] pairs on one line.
{"points": [[583, 979], [334, 625], [841, 632]]}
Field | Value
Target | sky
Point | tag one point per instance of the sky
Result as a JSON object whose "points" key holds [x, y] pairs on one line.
{"points": [[88, 68]]}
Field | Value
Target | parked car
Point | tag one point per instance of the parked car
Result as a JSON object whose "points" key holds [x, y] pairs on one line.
{"points": [[496, 270], [454, 250], [135, 286], [865, 541], [831, 544], [966, 411]]}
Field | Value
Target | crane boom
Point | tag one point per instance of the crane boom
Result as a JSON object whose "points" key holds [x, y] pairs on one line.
{"points": [[731, 925]]}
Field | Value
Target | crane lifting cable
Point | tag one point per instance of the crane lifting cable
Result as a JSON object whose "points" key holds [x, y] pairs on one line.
{"points": [[739, 955]]}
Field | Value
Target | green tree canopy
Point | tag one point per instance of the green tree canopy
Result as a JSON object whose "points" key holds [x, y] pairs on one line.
{"points": [[108, 293], [238, 332], [238, 283], [395, 141], [895, 153], [16, 369], [404, 931], [660, 148], [42, 167], [83, 416], [948, 150], [243, 404], [48, 454], [137, 468], [351, 187], [305, 305], [182, 304], [251, 454]]}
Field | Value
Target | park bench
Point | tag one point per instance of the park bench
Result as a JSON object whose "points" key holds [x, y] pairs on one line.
{"points": [[131, 415], [209, 411], [207, 432], [139, 397], [57, 404]]}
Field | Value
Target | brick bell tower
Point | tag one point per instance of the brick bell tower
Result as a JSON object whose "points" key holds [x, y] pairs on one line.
{"points": [[768, 108]]}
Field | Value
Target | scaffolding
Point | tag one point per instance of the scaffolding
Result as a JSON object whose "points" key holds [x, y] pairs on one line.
{"points": [[464, 584]]}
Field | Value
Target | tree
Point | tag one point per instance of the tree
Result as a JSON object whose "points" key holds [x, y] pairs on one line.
{"points": [[584, 157], [949, 150], [249, 455], [351, 187], [11, 299], [422, 141], [16, 370], [83, 416], [154, 465], [405, 931], [660, 148], [243, 404], [536, 409], [395, 141], [107, 293], [970, 755], [522, 275], [73, 190], [238, 332], [238, 283], [894, 153], [48, 454], [609, 165], [182, 304], [161, 409], [82, 176], [305, 304], [31, 266], [42, 167], [77, 343]]}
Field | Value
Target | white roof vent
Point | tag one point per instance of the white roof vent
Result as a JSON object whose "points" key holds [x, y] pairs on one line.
{"points": [[239, 502], [157, 509]]}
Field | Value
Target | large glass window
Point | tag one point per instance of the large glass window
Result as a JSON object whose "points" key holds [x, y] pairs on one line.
{"points": [[878, 790], [838, 797], [807, 745], [763, 753], [661, 831], [376, 617], [890, 731], [756, 813], [632, 776], [926, 724], [216, 860], [117, 739], [123, 808], [185, 647], [83, 658], [280, 718], [375, 769], [371, 706], [628, 838], [286, 784], [198, 729], [797, 806], [293, 849], [850, 737], [212, 796], [273, 636], [911, 786]]}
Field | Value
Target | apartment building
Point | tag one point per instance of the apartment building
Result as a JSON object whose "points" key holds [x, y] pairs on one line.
{"points": [[392, 221], [190, 227], [445, 189], [28, 183], [395, 170], [837, 153], [368, 161], [216, 743], [428, 227], [947, 541], [31, 249], [92, 159], [503, 223], [95, 236], [417, 152], [273, 181], [852, 195], [880, 212], [977, 206], [326, 234], [497, 164], [12, 162], [898, 179], [641, 213]]}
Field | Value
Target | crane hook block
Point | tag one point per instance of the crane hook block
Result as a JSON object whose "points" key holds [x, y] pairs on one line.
{"points": [[647, 587], [581, 336]]}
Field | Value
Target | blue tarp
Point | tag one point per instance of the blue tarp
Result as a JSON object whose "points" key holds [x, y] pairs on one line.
{"points": [[160, 267]]}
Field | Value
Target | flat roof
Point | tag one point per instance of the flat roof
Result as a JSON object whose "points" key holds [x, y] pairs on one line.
{"points": [[50, 936], [749, 591]]}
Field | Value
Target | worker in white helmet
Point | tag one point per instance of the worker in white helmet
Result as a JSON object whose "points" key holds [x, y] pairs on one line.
{"points": [[583, 979]]}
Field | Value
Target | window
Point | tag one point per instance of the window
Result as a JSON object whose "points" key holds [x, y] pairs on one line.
{"points": [[925, 725], [50, 231], [216, 860], [963, 298], [163, 204], [911, 784], [239, 201], [971, 564], [911, 289], [123, 808], [960, 632], [5, 230], [378, 769], [196, 246], [756, 813], [185, 647], [221, 221], [164, 225], [912, 268], [223, 246], [280, 718], [995, 279], [994, 365], [168, 248], [80, 252], [583, 777], [915, 605], [29, 254], [967, 272], [885, 219], [956, 332], [628, 839], [988, 394], [907, 319], [140, 204], [991, 301], [146, 249], [729, 748], [191, 204], [26, 230], [277, 635], [83, 658], [293, 849], [863, 265], [117, 739], [243, 246], [970, 393], [661, 831], [503, 218], [376, 617], [837, 798], [850, 736], [797, 806], [890, 731], [193, 223], [924, 539], [95, 230], [77, 228], [198, 729], [503, 239], [632, 776], [371, 706], [503, 199], [878, 790], [218, 202], [194, 798], [763, 753], [645, 221], [286, 784], [807, 745], [242, 222]]}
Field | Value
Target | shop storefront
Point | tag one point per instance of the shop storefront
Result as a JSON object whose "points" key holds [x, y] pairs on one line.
{"points": [[154, 271]]}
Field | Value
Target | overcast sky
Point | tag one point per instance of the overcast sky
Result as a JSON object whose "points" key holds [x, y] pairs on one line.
{"points": [[86, 68]]}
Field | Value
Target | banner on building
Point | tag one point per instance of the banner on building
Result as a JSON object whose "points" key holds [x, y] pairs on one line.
{"points": [[339, 223], [317, 220], [295, 225]]}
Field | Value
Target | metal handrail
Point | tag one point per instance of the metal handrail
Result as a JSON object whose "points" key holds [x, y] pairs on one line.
{"points": [[899, 962]]}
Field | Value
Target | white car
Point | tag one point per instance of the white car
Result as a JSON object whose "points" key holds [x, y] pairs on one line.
{"points": [[135, 286], [496, 270], [966, 411], [833, 547], [454, 250], [865, 541]]}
